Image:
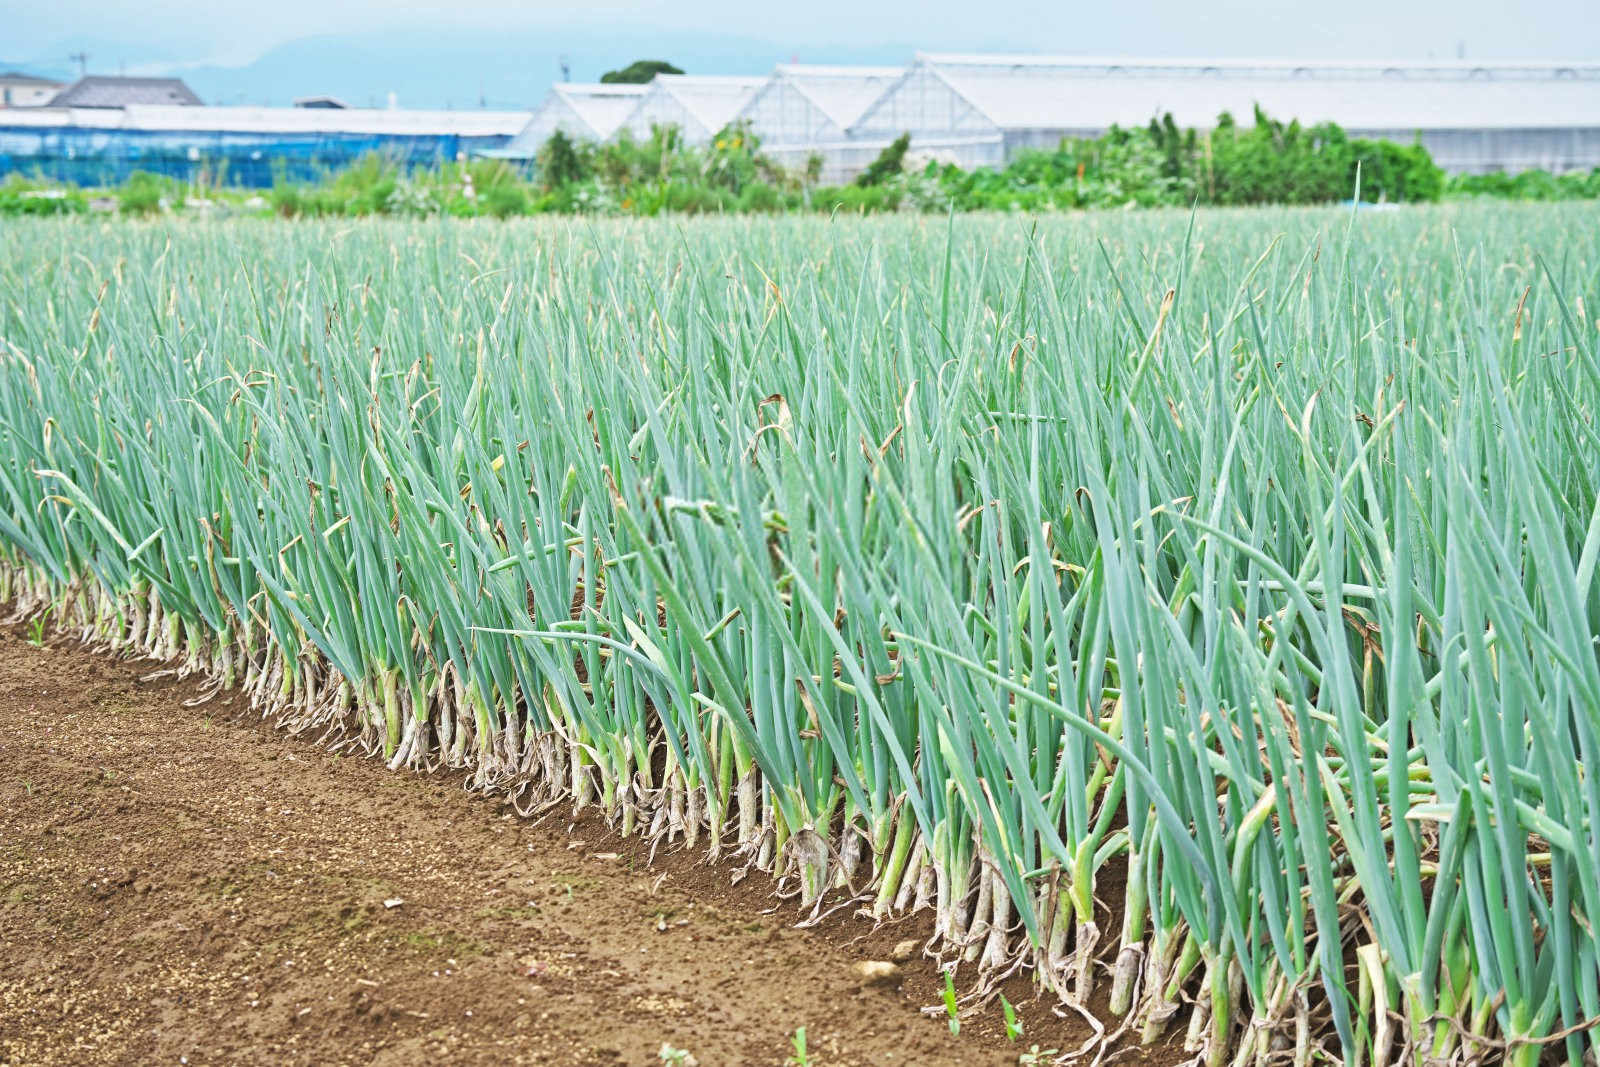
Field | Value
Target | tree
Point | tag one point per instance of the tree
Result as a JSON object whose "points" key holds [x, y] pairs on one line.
{"points": [[1392, 171], [639, 72], [888, 164], [559, 162]]}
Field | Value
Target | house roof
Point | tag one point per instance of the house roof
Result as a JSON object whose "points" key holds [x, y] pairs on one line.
{"points": [[17, 77], [99, 90]]}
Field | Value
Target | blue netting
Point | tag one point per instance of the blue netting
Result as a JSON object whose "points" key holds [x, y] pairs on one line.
{"points": [[98, 157]]}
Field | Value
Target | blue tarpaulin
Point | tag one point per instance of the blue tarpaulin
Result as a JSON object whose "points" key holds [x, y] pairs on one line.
{"points": [[87, 156]]}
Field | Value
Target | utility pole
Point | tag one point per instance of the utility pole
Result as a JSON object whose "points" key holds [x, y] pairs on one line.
{"points": [[82, 59]]}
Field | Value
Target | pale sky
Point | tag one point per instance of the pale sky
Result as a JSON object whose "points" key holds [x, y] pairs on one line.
{"points": [[237, 31]]}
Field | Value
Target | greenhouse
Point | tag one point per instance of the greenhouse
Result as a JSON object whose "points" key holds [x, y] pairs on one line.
{"points": [[968, 110], [698, 105], [807, 110], [245, 146], [1473, 117], [583, 111], [814, 105]]}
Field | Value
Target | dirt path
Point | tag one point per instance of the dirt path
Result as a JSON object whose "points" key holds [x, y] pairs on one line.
{"points": [[181, 886]]}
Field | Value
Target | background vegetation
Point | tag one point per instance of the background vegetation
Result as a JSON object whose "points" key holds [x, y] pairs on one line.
{"points": [[1265, 162], [639, 72]]}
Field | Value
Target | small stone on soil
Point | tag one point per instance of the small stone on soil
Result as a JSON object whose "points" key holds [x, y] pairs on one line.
{"points": [[877, 972]]}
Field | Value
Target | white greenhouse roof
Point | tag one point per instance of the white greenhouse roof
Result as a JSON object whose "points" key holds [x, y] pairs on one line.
{"points": [[267, 120], [699, 104], [1092, 66], [1015, 93], [588, 111], [603, 107], [841, 93], [803, 105]]}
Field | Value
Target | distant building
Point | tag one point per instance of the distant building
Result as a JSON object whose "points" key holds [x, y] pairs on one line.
{"points": [[1472, 116], [806, 105], [803, 111], [330, 103], [25, 90], [582, 111], [698, 105], [99, 90], [248, 146]]}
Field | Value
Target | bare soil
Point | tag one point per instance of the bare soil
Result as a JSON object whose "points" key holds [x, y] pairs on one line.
{"points": [[189, 886]]}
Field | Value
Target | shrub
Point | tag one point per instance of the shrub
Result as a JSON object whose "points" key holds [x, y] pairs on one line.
{"points": [[286, 200], [410, 197], [559, 162], [857, 198], [888, 164], [141, 194], [686, 198], [760, 197], [363, 188], [1396, 172], [21, 197], [504, 200]]}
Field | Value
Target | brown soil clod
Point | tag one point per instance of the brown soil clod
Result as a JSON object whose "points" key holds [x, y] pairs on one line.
{"points": [[878, 973]]}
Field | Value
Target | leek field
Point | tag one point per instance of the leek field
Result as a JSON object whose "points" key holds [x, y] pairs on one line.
{"points": [[964, 565]]}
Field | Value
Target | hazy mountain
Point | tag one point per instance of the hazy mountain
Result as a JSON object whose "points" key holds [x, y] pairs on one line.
{"points": [[108, 56], [509, 69]]}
